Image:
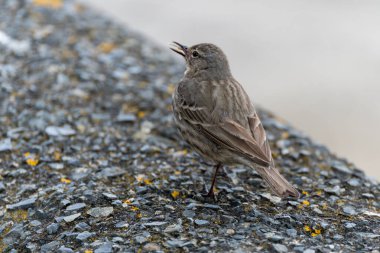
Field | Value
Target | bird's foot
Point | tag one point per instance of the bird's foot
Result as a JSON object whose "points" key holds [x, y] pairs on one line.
{"points": [[209, 195]]}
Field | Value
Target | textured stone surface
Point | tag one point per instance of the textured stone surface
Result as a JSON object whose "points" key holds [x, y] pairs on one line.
{"points": [[90, 158]]}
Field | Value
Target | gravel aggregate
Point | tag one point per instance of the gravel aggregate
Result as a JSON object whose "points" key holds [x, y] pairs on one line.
{"points": [[90, 158]]}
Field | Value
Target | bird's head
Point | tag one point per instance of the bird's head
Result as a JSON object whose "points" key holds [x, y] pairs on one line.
{"points": [[203, 57]]}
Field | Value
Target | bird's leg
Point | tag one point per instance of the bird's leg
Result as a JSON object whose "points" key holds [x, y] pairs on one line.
{"points": [[211, 191]]}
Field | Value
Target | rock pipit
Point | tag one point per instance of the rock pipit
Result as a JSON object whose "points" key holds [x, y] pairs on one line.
{"points": [[217, 118]]}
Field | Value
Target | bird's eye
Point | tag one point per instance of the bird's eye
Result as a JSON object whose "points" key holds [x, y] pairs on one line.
{"points": [[195, 54]]}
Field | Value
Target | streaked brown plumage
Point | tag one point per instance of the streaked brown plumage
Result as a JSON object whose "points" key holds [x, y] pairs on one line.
{"points": [[216, 117]]}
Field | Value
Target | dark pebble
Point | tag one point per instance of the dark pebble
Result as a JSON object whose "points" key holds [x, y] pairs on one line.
{"points": [[52, 228], [24, 204]]}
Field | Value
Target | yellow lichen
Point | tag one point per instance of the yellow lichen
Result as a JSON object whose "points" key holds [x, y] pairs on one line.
{"points": [[324, 206], [65, 180], [32, 161], [141, 114], [134, 208], [275, 154], [88, 251], [81, 128], [305, 193], [19, 215], [284, 135], [2, 245], [129, 108], [306, 203], [171, 88], [106, 47], [315, 231], [57, 155], [147, 181], [127, 201], [140, 178], [340, 202], [55, 4], [175, 194]]}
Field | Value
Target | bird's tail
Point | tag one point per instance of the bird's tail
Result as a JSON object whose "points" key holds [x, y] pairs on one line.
{"points": [[278, 184]]}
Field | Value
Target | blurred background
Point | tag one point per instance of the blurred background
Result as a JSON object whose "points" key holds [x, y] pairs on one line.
{"points": [[314, 63]]}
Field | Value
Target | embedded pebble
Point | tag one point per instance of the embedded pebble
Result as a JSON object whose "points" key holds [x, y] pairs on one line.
{"points": [[201, 222], [354, 182], [50, 247], [155, 223], [350, 210], [140, 239], [35, 223], [72, 217], [216, 207], [368, 195], [122, 224], [64, 249], [151, 247], [111, 172], [60, 131], [340, 167], [52, 228], [303, 170], [173, 228], [291, 232], [349, 225], [84, 235], [2, 187], [100, 211], [6, 145], [335, 190], [126, 118], [75, 206], [109, 195], [317, 210], [271, 198], [230, 231], [104, 248], [24, 204], [82, 226], [56, 166], [280, 248]]}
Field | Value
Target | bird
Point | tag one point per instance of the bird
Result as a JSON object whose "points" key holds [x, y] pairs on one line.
{"points": [[216, 117]]}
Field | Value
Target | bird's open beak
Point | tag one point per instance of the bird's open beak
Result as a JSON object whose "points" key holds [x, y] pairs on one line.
{"points": [[178, 48]]}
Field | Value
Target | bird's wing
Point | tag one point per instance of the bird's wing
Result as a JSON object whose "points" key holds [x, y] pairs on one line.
{"points": [[226, 133], [258, 133], [242, 140]]}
